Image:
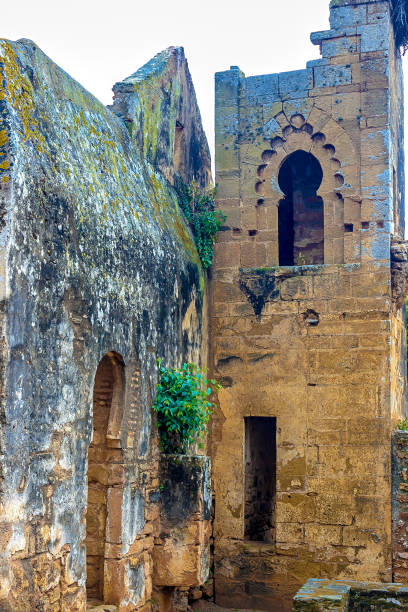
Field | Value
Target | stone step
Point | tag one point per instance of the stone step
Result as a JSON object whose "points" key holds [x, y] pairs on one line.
{"points": [[208, 606], [95, 605]]}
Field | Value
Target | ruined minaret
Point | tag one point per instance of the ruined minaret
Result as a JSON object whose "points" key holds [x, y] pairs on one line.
{"points": [[308, 332]]}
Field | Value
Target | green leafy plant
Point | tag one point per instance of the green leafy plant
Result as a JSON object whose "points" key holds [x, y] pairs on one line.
{"points": [[182, 406], [198, 206], [301, 260], [402, 425]]}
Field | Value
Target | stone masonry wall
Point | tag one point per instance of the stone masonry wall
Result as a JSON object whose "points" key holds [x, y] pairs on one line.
{"points": [[95, 260], [319, 347], [399, 506]]}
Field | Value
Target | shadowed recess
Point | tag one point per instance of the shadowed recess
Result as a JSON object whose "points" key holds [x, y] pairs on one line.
{"points": [[300, 213]]}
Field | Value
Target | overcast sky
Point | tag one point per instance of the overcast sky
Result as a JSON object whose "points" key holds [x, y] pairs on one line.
{"points": [[100, 42]]}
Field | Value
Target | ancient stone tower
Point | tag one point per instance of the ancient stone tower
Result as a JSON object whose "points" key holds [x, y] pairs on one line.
{"points": [[308, 333]]}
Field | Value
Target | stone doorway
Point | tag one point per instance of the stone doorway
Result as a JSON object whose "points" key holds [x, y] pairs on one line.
{"points": [[104, 456]]}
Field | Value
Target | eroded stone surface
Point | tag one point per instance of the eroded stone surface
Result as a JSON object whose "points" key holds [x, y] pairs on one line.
{"points": [[95, 259], [158, 105], [182, 550]]}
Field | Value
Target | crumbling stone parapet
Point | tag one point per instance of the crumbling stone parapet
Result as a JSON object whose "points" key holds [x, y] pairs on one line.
{"points": [[160, 110]]}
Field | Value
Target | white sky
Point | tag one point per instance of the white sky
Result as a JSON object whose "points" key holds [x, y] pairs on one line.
{"points": [[100, 42]]}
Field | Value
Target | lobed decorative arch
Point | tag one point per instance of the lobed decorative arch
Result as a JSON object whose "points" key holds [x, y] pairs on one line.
{"points": [[337, 178], [300, 212]]}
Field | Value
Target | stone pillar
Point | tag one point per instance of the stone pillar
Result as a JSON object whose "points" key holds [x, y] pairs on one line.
{"points": [[182, 550]]}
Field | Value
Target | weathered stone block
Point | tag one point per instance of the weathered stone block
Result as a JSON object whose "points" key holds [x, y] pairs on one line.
{"points": [[289, 532], [181, 554], [330, 48], [323, 595], [374, 37], [374, 146], [323, 535], [344, 16], [261, 89], [227, 255], [334, 509], [295, 508], [295, 84], [374, 102]]}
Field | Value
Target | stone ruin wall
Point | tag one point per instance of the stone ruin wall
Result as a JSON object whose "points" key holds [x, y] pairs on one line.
{"points": [[321, 348], [98, 269], [400, 506], [96, 260]]}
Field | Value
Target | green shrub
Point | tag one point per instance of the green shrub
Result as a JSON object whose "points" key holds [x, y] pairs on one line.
{"points": [[182, 406], [197, 204], [402, 425]]}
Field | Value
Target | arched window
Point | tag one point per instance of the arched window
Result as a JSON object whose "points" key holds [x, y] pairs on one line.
{"points": [[300, 214], [108, 396]]}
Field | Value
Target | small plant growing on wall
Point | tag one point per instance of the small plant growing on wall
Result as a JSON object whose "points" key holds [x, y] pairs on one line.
{"points": [[402, 425], [182, 406], [301, 260], [198, 206], [400, 21]]}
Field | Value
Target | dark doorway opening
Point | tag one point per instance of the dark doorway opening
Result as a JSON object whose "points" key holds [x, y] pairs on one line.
{"points": [[260, 478], [300, 213]]}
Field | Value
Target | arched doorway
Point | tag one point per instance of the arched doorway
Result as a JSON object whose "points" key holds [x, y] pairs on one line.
{"points": [[104, 451], [300, 213]]}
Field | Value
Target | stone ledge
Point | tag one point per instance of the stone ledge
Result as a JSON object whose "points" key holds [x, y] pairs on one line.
{"points": [[323, 595], [262, 285]]}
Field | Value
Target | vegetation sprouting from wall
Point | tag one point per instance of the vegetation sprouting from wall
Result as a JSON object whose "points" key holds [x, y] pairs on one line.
{"points": [[198, 207], [400, 21], [182, 406]]}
